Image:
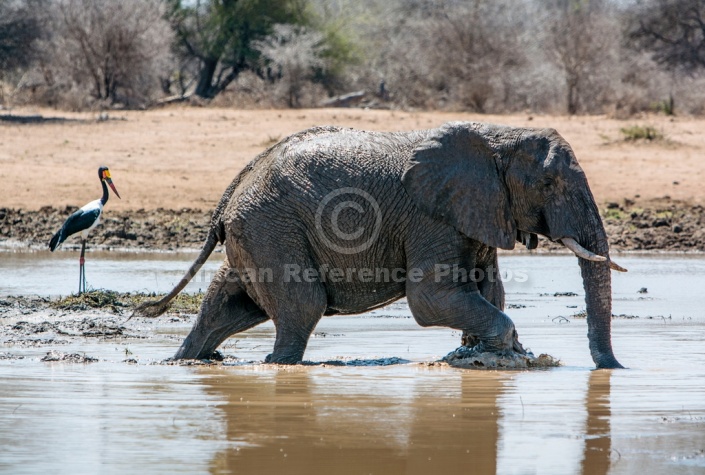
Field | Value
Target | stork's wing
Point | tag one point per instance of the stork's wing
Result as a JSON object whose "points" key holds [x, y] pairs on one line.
{"points": [[77, 222]]}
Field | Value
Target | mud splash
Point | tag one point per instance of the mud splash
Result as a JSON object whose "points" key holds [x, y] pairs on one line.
{"points": [[470, 358]]}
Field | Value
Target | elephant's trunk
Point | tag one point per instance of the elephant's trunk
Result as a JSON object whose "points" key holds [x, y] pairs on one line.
{"points": [[597, 282]]}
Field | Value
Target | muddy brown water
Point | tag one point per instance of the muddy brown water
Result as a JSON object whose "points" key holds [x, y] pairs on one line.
{"points": [[387, 411]]}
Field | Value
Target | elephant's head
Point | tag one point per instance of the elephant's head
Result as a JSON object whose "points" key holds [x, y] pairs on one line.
{"points": [[495, 184]]}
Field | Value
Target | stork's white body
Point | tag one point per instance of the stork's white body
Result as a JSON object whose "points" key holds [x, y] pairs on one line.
{"points": [[91, 208]]}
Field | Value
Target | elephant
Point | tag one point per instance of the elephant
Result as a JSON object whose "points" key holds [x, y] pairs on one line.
{"points": [[334, 221]]}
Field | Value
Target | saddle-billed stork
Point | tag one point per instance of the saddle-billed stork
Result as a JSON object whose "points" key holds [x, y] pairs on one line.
{"points": [[83, 221]]}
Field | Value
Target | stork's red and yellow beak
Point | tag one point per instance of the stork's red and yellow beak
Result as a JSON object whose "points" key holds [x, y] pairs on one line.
{"points": [[109, 181]]}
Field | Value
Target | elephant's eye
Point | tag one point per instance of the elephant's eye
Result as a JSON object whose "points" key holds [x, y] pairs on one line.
{"points": [[547, 185]]}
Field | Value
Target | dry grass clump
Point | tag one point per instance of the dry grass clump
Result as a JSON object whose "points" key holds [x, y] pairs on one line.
{"points": [[118, 302]]}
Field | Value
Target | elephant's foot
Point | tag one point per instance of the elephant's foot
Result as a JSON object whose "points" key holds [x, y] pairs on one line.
{"points": [[482, 356], [469, 340], [196, 350], [287, 351], [216, 356], [283, 359], [198, 347]]}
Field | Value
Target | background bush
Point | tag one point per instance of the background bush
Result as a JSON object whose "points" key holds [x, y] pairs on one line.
{"points": [[554, 56]]}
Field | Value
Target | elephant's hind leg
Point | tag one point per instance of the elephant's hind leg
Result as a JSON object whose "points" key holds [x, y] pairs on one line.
{"points": [[295, 306], [295, 320], [226, 310]]}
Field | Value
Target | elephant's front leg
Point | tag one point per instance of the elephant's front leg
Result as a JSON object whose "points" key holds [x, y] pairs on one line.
{"points": [[444, 300], [489, 283], [466, 310]]}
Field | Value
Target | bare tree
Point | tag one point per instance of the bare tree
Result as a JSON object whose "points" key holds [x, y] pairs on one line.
{"points": [[435, 53], [294, 53], [477, 46], [115, 50], [20, 28], [580, 39], [673, 30]]}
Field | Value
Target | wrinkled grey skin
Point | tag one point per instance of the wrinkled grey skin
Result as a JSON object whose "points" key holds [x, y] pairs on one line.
{"points": [[448, 196]]}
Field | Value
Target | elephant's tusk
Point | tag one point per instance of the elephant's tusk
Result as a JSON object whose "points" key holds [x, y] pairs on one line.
{"points": [[580, 251], [617, 267]]}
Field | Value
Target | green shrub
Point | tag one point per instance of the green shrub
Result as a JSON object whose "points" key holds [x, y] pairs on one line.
{"points": [[614, 213], [641, 132], [663, 107]]}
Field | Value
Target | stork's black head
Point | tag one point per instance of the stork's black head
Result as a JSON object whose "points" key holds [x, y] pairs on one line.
{"points": [[104, 175]]}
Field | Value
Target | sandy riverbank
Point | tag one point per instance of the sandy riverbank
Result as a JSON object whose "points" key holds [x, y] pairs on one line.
{"points": [[178, 157]]}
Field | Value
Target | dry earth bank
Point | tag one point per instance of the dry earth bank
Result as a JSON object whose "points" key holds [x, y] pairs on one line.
{"points": [[662, 225], [171, 166]]}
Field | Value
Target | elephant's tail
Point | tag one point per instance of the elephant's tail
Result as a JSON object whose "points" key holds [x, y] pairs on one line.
{"points": [[155, 308]]}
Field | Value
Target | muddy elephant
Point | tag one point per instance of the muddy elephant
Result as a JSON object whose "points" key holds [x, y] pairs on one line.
{"points": [[340, 221]]}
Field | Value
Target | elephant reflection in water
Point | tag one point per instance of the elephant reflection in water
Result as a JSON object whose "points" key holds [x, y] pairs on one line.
{"points": [[598, 438], [300, 422]]}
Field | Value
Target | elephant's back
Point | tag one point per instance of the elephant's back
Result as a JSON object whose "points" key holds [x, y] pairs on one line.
{"points": [[344, 152], [303, 169], [335, 167]]}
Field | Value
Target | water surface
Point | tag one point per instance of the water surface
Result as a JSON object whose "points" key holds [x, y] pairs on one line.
{"points": [[54, 274], [407, 418]]}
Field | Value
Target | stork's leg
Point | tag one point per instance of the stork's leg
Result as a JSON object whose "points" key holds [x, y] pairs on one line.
{"points": [[82, 276]]}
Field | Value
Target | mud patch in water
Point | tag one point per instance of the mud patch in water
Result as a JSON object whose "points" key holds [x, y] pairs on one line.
{"points": [[22, 305], [231, 360], [58, 357], [470, 358], [62, 331]]}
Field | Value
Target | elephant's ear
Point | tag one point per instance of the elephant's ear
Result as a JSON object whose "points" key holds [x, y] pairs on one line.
{"points": [[453, 176]]}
